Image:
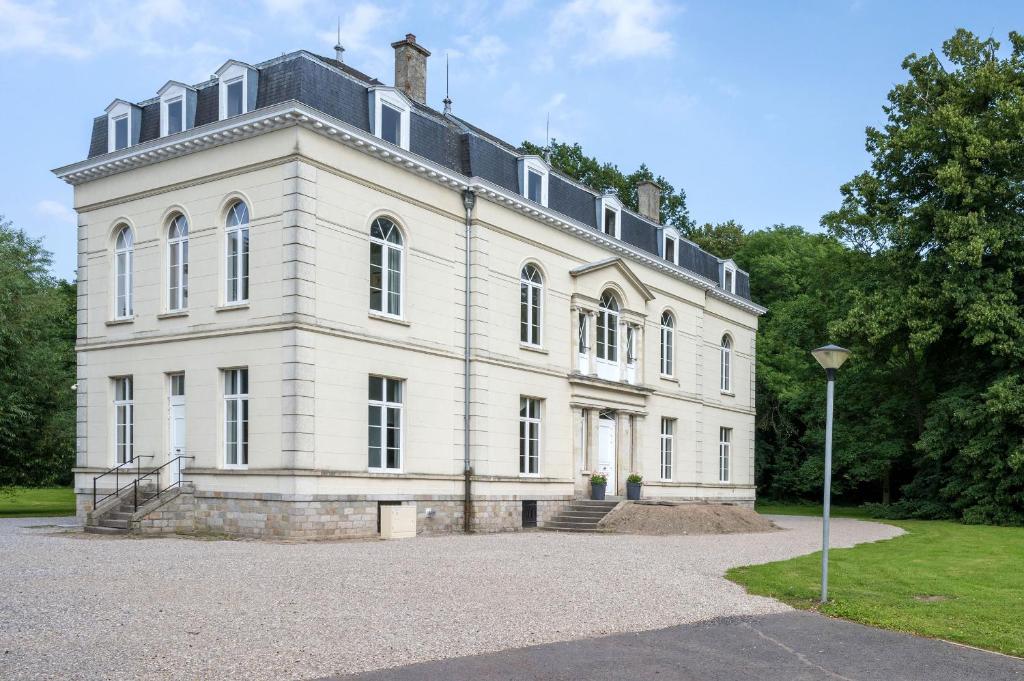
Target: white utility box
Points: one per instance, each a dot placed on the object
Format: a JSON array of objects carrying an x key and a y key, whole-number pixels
[{"x": 398, "y": 522}]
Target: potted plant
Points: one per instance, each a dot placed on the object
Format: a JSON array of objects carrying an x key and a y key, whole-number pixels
[
  {"x": 633, "y": 483},
  {"x": 598, "y": 483}
]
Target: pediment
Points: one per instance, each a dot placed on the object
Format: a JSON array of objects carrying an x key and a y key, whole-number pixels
[{"x": 593, "y": 277}]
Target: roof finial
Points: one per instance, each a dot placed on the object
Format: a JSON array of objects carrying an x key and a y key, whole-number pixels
[
  {"x": 447, "y": 100},
  {"x": 338, "y": 49},
  {"x": 547, "y": 139}
]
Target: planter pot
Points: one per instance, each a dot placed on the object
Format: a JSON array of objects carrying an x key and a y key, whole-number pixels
[
  {"x": 633, "y": 491},
  {"x": 597, "y": 491}
]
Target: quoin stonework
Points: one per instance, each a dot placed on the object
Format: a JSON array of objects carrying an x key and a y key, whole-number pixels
[{"x": 305, "y": 295}]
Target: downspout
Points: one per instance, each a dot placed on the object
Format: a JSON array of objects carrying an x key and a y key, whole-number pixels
[{"x": 468, "y": 201}]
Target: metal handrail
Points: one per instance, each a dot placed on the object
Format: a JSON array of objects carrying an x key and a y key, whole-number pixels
[
  {"x": 159, "y": 490},
  {"x": 116, "y": 470}
]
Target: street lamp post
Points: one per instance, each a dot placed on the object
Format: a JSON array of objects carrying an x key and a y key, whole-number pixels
[{"x": 830, "y": 357}]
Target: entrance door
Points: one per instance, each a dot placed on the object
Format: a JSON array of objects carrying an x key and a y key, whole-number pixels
[
  {"x": 176, "y": 425},
  {"x": 606, "y": 448}
]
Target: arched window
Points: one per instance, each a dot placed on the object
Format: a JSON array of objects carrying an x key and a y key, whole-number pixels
[
  {"x": 668, "y": 324},
  {"x": 124, "y": 249},
  {"x": 531, "y": 295},
  {"x": 237, "y": 272},
  {"x": 386, "y": 267},
  {"x": 177, "y": 264},
  {"x": 726, "y": 364},
  {"x": 608, "y": 328}
]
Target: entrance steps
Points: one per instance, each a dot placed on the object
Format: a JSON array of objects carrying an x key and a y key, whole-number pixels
[
  {"x": 117, "y": 518},
  {"x": 582, "y": 515}
]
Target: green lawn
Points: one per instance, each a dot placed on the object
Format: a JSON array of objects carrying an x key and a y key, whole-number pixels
[
  {"x": 961, "y": 583},
  {"x": 784, "y": 508},
  {"x": 24, "y": 502}
]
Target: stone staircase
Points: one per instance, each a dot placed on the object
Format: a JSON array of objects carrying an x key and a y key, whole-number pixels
[
  {"x": 117, "y": 517},
  {"x": 582, "y": 516}
]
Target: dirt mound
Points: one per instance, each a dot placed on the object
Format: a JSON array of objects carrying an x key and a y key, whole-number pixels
[{"x": 642, "y": 517}]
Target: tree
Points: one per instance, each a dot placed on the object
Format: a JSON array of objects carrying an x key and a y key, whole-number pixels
[
  {"x": 724, "y": 239},
  {"x": 941, "y": 215},
  {"x": 570, "y": 159},
  {"x": 37, "y": 365}
]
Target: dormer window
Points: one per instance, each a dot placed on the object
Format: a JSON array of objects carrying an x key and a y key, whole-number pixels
[
  {"x": 123, "y": 125},
  {"x": 670, "y": 246},
  {"x": 609, "y": 215},
  {"x": 237, "y": 91},
  {"x": 390, "y": 111},
  {"x": 177, "y": 107},
  {"x": 729, "y": 276},
  {"x": 533, "y": 179}
]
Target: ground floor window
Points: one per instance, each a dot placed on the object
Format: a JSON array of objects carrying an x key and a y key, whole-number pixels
[
  {"x": 236, "y": 417},
  {"x": 529, "y": 436},
  {"x": 385, "y": 423},
  {"x": 124, "y": 420},
  {"x": 724, "y": 453},
  {"x": 668, "y": 427}
]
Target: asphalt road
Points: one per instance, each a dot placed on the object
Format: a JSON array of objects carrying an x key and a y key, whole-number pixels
[{"x": 792, "y": 646}]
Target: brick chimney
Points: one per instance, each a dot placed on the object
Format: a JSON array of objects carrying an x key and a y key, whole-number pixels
[
  {"x": 648, "y": 197},
  {"x": 411, "y": 68}
]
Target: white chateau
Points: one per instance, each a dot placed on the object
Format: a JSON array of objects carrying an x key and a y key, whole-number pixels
[{"x": 304, "y": 294}]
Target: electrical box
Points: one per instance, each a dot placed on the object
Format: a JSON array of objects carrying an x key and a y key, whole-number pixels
[{"x": 398, "y": 522}]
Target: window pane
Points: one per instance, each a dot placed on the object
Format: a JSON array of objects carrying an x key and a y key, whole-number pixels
[
  {"x": 174, "y": 123},
  {"x": 670, "y": 250},
  {"x": 390, "y": 124},
  {"x": 245, "y": 432},
  {"x": 376, "y": 388},
  {"x": 609, "y": 222},
  {"x": 394, "y": 281},
  {"x": 245, "y": 265},
  {"x": 231, "y": 431},
  {"x": 121, "y": 133},
  {"x": 533, "y": 184},
  {"x": 374, "y": 420},
  {"x": 394, "y": 391},
  {"x": 235, "y": 98}
]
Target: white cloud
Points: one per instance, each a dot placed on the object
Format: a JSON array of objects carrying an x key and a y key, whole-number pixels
[
  {"x": 56, "y": 212},
  {"x": 284, "y": 6},
  {"x": 361, "y": 34},
  {"x": 607, "y": 30},
  {"x": 38, "y": 28}
]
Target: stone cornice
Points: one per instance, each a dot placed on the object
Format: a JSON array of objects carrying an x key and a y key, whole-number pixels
[{"x": 293, "y": 113}]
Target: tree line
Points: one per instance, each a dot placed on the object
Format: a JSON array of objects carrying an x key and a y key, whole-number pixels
[{"x": 920, "y": 272}]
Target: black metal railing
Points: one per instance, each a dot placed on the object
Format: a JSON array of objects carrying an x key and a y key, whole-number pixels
[
  {"x": 138, "y": 479},
  {"x": 176, "y": 461},
  {"x": 117, "y": 470}
]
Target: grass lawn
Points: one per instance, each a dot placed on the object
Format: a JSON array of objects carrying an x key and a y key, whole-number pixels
[
  {"x": 961, "y": 583},
  {"x": 25, "y": 502},
  {"x": 784, "y": 508}
]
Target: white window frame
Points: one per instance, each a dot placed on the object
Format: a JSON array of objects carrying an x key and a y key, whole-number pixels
[
  {"x": 609, "y": 202},
  {"x": 380, "y": 96},
  {"x": 165, "y": 115},
  {"x": 725, "y": 350},
  {"x": 667, "y": 442},
  {"x": 121, "y": 110},
  {"x": 531, "y": 310},
  {"x": 670, "y": 235},
  {"x": 241, "y": 259},
  {"x": 668, "y": 345},
  {"x": 536, "y": 164},
  {"x": 124, "y": 271},
  {"x": 724, "y": 454},
  {"x": 610, "y": 330},
  {"x": 125, "y": 405},
  {"x": 530, "y": 433},
  {"x": 172, "y": 92},
  {"x": 231, "y": 72},
  {"x": 385, "y": 285},
  {"x": 240, "y": 400},
  {"x": 729, "y": 276},
  {"x": 583, "y": 341},
  {"x": 177, "y": 298},
  {"x": 383, "y": 405}
]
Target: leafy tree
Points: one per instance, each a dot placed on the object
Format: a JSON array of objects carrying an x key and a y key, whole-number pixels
[
  {"x": 724, "y": 239},
  {"x": 941, "y": 214},
  {"x": 570, "y": 159},
  {"x": 37, "y": 365}
]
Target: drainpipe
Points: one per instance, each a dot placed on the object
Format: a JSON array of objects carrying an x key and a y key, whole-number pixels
[{"x": 468, "y": 202}]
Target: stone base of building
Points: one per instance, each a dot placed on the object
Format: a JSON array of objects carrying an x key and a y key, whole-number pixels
[{"x": 280, "y": 516}]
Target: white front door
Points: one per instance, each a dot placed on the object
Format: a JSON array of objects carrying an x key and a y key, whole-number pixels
[
  {"x": 606, "y": 449},
  {"x": 177, "y": 431}
]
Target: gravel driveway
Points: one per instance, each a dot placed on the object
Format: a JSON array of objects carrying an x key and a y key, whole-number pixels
[{"x": 86, "y": 606}]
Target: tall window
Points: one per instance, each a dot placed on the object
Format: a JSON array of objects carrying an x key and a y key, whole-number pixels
[
  {"x": 608, "y": 328},
  {"x": 390, "y": 124},
  {"x": 385, "y": 424},
  {"x": 124, "y": 249},
  {"x": 529, "y": 436},
  {"x": 237, "y": 284},
  {"x": 667, "y": 342},
  {"x": 386, "y": 267},
  {"x": 724, "y": 453},
  {"x": 236, "y": 417},
  {"x": 534, "y": 182},
  {"x": 235, "y": 91},
  {"x": 177, "y": 264},
  {"x": 531, "y": 292},
  {"x": 121, "y": 132},
  {"x": 726, "y": 364},
  {"x": 124, "y": 420},
  {"x": 175, "y": 116},
  {"x": 670, "y": 248},
  {"x": 668, "y": 427}
]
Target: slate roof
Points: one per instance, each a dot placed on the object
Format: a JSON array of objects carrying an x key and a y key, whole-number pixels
[{"x": 341, "y": 91}]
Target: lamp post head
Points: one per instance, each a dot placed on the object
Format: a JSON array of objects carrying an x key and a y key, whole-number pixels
[{"x": 830, "y": 357}]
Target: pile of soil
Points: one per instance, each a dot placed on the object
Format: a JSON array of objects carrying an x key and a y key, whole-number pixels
[{"x": 652, "y": 517}]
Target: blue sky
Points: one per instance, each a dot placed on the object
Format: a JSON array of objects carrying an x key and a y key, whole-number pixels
[{"x": 756, "y": 109}]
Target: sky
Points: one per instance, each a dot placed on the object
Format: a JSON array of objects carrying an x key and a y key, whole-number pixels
[{"x": 756, "y": 109}]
